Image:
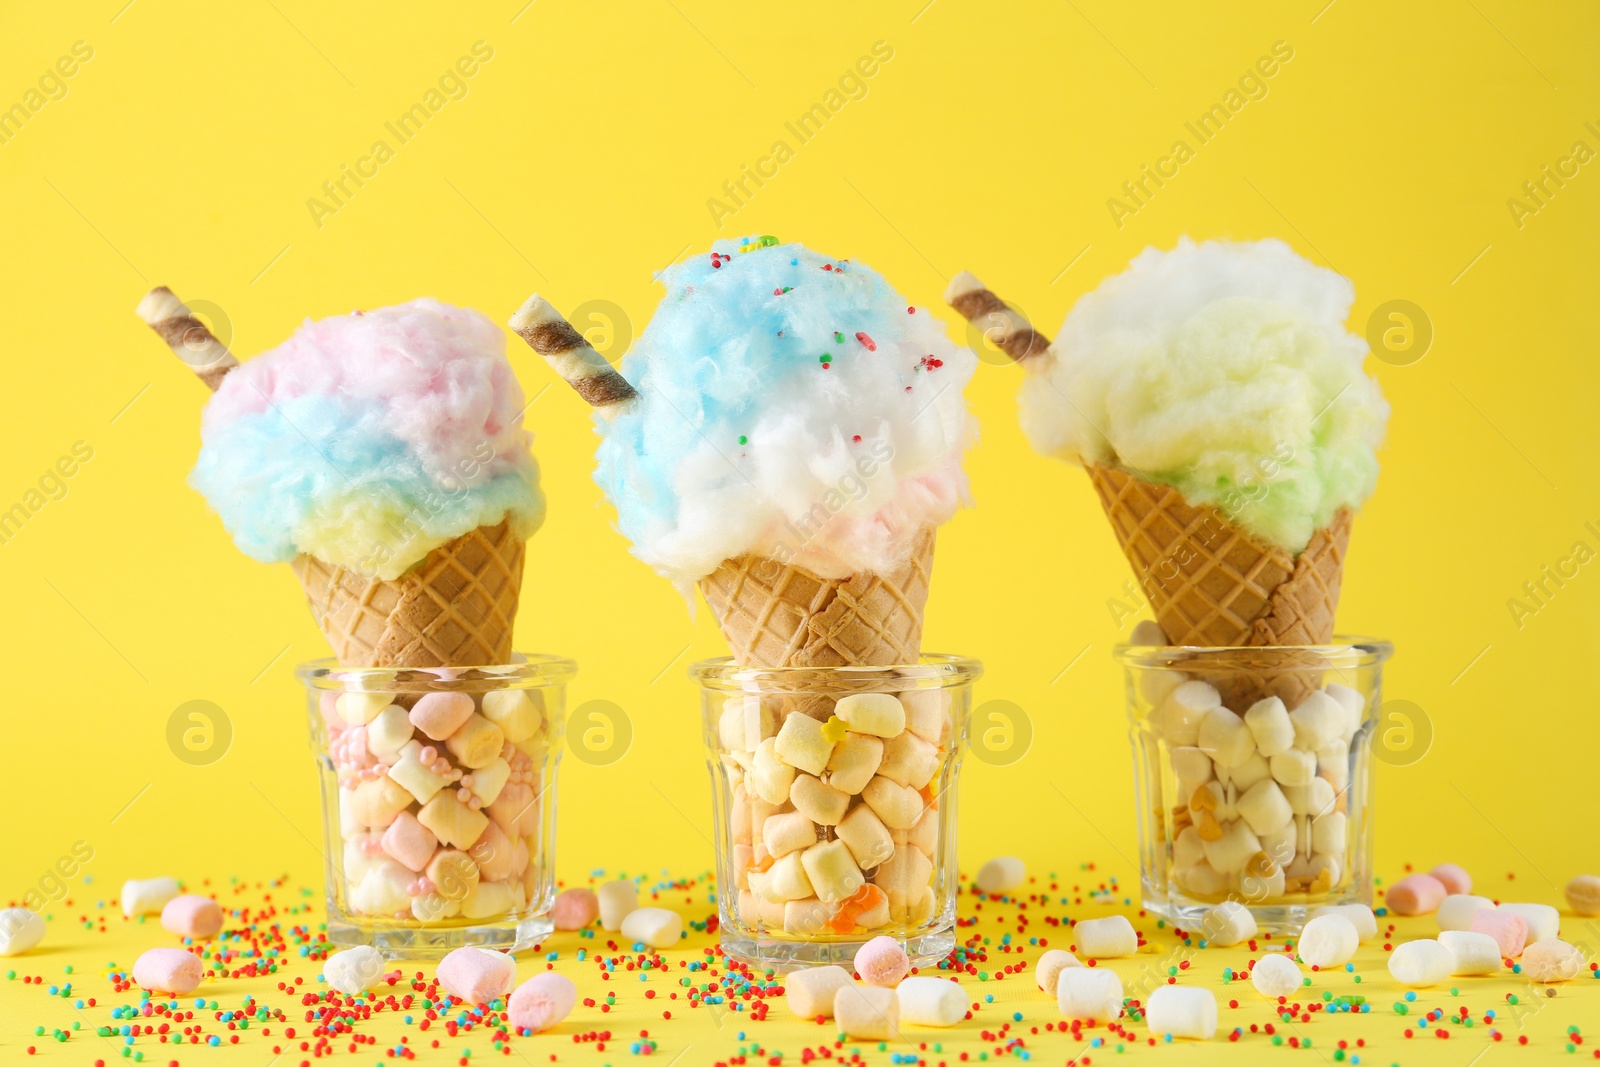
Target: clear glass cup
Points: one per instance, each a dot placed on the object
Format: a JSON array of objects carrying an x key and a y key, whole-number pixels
[
  {"x": 835, "y": 806},
  {"x": 439, "y": 801},
  {"x": 1253, "y": 774}
]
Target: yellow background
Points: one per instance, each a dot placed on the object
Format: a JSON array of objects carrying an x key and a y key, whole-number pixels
[{"x": 580, "y": 160}]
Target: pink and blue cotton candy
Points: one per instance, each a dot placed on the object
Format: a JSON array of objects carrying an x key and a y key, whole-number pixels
[{"x": 370, "y": 439}]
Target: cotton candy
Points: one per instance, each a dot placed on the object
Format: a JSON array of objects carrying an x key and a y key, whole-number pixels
[
  {"x": 790, "y": 406},
  {"x": 367, "y": 440},
  {"x": 1225, "y": 371}
]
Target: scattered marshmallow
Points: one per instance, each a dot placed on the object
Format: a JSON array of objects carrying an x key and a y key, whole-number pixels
[
  {"x": 867, "y": 1013},
  {"x": 147, "y": 897},
  {"x": 1417, "y": 894},
  {"x": 1092, "y": 994},
  {"x": 1328, "y": 941},
  {"x": 616, "y": 900},
  {"x": 1509, "y": 930},
  {"x": 1275, "y": 976},
  {"x": 931, "y": 1001},
  {"x": 1551, "y": 959},
  {"x": 1583, "y": 895},
  {"x": 168, "y": 970},
  {"x": 1474, "y": 953},
  {"x": 882, "y": 962},
  {"x": 810, "y": 992},
  {"x": 477, "y": 975},
  {"x": 1182, "y": 1011},
  {"x": 541, "y": 1002},
  {"x": 1047, "y": 971},
  {"x": 1001, "y": 875},
  {"x": 1106, "y": 938},
  {"x": 1543, "y": 920},
  {"x": 1453, "y": 877},
  {"x": 1360, "y": 916},
  {"x": 656, "y": 927},
  {"x": 574, "y": 909},
  {"x": 20, "y": 930},
  {"x": 1229, "y": 923},
  {"x": 353, "y": 969},
  {"x": 1456, "y": 910},
  {"x": 192, "y": 916},
  {"x": 1422, "y": 962}
]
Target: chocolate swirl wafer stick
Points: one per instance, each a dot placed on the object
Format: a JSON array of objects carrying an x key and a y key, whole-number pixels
[
  {"x": 187, "y": 336},
  {"x": 1008, "y": 330},
  {"x": 564, "y": 348}
]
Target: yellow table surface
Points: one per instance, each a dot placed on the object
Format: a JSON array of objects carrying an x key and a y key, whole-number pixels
[{"x": 669, "y": 1011}]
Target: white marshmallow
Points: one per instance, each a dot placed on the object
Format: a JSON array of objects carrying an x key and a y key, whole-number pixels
[
  {"x": 904, "y": 877},
  {"x": 1543, "y": 920},
  {"x": 730, "y": 724},
  {"x": 879, "y": 714},
  {"x": 1331, "y": 862},
  {"x": 1253, "y": 770},
  {"x": 1456, "y": 910},
  {"x": 927, "y": 1001},
  {"x": 909, "y": 760},
  {"x": 1001, "y": 875},
  {"x": 832, "y": 871},
  {"x": 1187, "y": 848},
  {"x": 434, "y": 907},
  {"x": 760, "y": 722},
  {"x": 1225, "y": 738},
  {"x": 786, "y": 880},
  {"x": 517, "y": 715},
  {"x": 800, "y": 743},
  {"x": 867, "y": 1013},
  {"x": 1262, "y": 878},
  {"x": 488, "y": 782},
  {"x": 1314, "y": 798},
  {"x": 770, "y": 777},
  {"x": 20, "y": 930},
  {"x": 1191, "y": 766},
  {"x": 1328, "y": 941},
  {"x": 476, "y": 742},
  {"x": 810, "y": 992},
  {"x": 1264, "y": 808},
  {"x": 1318, "y": 720},
  {"x": 616, "y": 900},
  {"x": 1423, "y": 962},
  {"x": 1294, "y": 767},
  {"x": 353, "y": 969},
  {"x": 1280, "y": 844},
  {"x": 486, "y": 899},
  {"x": 928, "y": 714},
  {"x": 1178, "y": 719},
  {"x": 1147, "y": 632},
  {"x": 1156, "y": 685},
  {"x": 822, "y": 804},
  {"x": 1230, "y": 852},
  {"x": 1360, "y": 916},
  {"x": 1093, "y": 994},
  {"x": 1202, "y": 879},
  {"x": 414, "y": 776},
  {"x": 1328, "y": 833},
  {"x": 807, "y": 917},
  {"x": 147, "y": 896},
  {"x": 385, "y": 890},
  {"x": 1474, "y": 953},
  {"x": 853, "y": 763},
  {"x": 1354, "y": 705},
  {"x": 656, "y": 927},
  {"x": 900, "y": 807},
  {"x": 1275, "y": 976},
  {"x": 358, "y": 709},
  {"x": 1106, "y": 938},
  {"x": 1182, "y": 1011},
  {"x": 864, "y": 834},
  {"x": 1271, "y": 726},
  {"x": 788, "y": 832},
  {"x": 1551, "y": 959},
  {"x": 1229, "y": 923},
  {"x": 388, "y": 730},
  {"x": 1048, "y": 970}
]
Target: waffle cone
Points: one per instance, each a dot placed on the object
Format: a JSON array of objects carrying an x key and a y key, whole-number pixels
[
  {"x": 779, "y": 615},
  {"x": 1211, "y": 584},
  {"x": 454, "y": 609}
]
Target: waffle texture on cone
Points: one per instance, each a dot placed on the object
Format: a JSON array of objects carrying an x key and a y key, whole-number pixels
[
  {"x": 454, "y": 609},
  {"x": 1213, "y": 585},
  {"x": 779, "y": 615}
]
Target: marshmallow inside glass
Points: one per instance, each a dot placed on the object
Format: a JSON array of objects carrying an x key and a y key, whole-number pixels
[
  {"x": 787, "y": 436},
  {"x": 382, "y": 455}
]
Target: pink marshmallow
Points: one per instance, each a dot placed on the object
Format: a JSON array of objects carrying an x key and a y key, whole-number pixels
[
  {"x": 493, "y": 854},
  {"x": 1509, "y": 930},
  {"x": 328, "y": 703},
  {"x": 882, "y": 962},
  {"x": 477, "y": 975},
  {"x": 1454, "y": 878},
  {"x": 410, "y": 842},
  {"x": 1419, "y": 894},
  {"x": 440, "y": 714},
  {"x": 542, "y": 1001},
  {"x": 574, "y": 909},
  {"x": 192, "y": 916},
  {"x": 167, "y": 970}
]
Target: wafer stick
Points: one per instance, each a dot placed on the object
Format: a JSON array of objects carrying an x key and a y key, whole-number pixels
[
  {"x": 187, "y": 336},
  {"x": 1008, "y": 330},
  {"x": 564, "y": 348}
]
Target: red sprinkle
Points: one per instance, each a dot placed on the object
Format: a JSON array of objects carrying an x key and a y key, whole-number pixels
[{"x": 871, "y": 345}]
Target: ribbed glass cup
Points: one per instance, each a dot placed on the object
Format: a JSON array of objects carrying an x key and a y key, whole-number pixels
[{"x": 439, "y": 801}]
